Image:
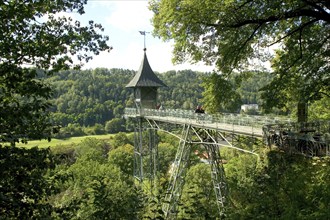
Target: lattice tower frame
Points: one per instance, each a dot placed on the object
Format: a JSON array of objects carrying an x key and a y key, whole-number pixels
[{"x": 211, "y": 139}]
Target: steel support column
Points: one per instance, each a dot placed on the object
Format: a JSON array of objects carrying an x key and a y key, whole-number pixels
[
  {"x": 153, "y": 160},
  {"x": 179, "y": 169},
  {"x": 138, "y": 150}
]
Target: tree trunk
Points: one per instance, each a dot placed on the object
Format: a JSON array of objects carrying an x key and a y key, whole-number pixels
[{"x": 302, "y": 113}]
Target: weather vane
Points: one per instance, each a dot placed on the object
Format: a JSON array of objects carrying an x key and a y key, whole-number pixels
[{"x": 144, "y": 37}]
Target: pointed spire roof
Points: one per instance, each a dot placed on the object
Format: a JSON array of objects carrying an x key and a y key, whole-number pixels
[{"x": 145, "y": 77}]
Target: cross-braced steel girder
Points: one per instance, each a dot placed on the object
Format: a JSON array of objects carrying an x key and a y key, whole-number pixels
[
  {"x": 211, "y": 139},
  {"x": 178, "y": 173}
]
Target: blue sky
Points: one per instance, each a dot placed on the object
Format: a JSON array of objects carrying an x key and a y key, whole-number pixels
[{"x": 122, "y": 21}]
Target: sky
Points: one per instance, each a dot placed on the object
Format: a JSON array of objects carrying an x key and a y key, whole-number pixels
[{"x": 122, "y": 21}]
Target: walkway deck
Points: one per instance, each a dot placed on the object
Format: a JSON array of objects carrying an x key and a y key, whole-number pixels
[
  {"x": 202, "y": 123},
  {"x": 238, "y": 124}
]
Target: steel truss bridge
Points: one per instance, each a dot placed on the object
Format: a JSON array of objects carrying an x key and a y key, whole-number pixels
[{"x": 213, "y": 132}]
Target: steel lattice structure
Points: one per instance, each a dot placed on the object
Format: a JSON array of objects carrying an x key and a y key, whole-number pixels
[
  {"x": 213, "y": 133},
  {"x": 189, "y": 133}
]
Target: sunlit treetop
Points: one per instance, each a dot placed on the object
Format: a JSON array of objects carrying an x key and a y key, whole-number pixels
[
  {"x": 231, "y": 33},
  {"x": 35, "y": 33}
]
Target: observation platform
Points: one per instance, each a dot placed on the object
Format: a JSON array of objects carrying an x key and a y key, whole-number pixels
[
  {"x": 234, "y": 123},
  {"x": 309, "y": 138}
]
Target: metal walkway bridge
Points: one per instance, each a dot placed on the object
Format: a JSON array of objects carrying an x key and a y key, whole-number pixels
[
  {"x": 213, "y": 132},
  {"x": 236, "y": 123}
]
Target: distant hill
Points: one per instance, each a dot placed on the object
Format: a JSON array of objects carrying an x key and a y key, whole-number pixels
[{"x": 98, "y": 95}]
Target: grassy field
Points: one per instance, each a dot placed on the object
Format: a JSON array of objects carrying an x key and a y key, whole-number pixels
[{"x": 61, "y": 142}]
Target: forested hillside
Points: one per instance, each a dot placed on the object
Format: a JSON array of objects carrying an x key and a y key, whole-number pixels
[
  {"x": 94, "y": 179},
  {"x": 88, "y": 97},
  {"x": 87, "y": 102},
  {"x": 184, "y": 89},
  {"x": 95, "y": 96}
]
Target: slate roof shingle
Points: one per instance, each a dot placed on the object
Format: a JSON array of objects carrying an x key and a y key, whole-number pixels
[{"x": 145, "y": 77}]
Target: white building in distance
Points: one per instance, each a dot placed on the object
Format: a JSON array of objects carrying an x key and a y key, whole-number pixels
[{"x": 247, "y": 107}]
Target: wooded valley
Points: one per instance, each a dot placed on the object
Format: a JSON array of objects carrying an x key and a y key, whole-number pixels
[
  {"x": 44, "y": 94},
  {"x": 94, "y": 179}
]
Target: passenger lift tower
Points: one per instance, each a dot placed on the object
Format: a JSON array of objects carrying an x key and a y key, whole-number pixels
[{"x": 145, "y": 85}]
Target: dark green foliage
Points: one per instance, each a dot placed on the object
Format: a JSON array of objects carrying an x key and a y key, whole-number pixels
[
  {"x": 99, "y": 188},
  {"x": 198, "y": 199},
  {"x": 77, "y": 101},
  {"x": 153, "y": 208},
  {"x": 98, "y": 129},
  {"x": 90, "y": 96},
  {"x": 229, "y": 100},
  {"x": 183, "y": 91},
  {"x": 31, "y": 35},
  {"x": 115, "y": 125},
  {"x": 76, "y": 130},
  {"x": 237, "y": 36},
  {"x": 102, "y": 192},
  {"x": 166, "y": 155},
  {"x": 280, "y": 186},
  {"x": 273, "y": 185},
  {"x": 24, "y": 191},
  {"x": 99, "y": 96},
  {"x": 167, "y": 139},
  {"x": 250, "y": 85},
  {"x": 72, "y": 130},
  {"x": 319, "y": 109},
  {"x": 92, "y": 148},
  {"x": 23, "y": 105}
]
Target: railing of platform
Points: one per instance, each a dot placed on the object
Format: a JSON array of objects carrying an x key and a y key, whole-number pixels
[
  {"x": 234, "y": 119},
  {"x": 311, "y": 138},
  {"x": 308, "y": 138}
]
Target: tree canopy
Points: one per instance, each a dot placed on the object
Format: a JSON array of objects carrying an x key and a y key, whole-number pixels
[
  {"x": 232, "y": 33},
  {"x": 34, "y": 34}
]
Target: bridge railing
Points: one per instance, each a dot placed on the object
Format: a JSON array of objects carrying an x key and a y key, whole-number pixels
[
  {"x": 309, "y": 138},
  {"x": 234, "y": 119}
]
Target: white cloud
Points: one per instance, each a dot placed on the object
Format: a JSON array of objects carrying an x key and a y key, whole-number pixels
[
  {"x": 122, "y": 21},
  {"x": 130, "y": 15}
]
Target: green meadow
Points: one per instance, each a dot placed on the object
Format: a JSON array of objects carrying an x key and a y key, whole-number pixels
[{"x": 61, "y": 142}]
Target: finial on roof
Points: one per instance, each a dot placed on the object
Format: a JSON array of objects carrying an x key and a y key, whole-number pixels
[{"x": 144, "y": 38}]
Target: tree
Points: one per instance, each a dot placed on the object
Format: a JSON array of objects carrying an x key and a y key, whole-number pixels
[
  {"x": 24, "y": 188},
  {"x": 166, "y": 155},
  {"x": 115, "y": 125},
  {"x": 100, "y": 190},
  {"x": 32, "y": 35},
  {"x": 120, "y": 139},
  {"x": 228, "y": 100},
  {"x": 123, "y": 157},
  {"x": 198, "y": 199},
  {"x": 231, "y": 34},
  {"x": 320, "y": 109},
  {"x": 92, "y": 148}
]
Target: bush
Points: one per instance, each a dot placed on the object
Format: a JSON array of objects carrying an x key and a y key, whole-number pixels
[
  {"x": 120, "y": 139},
  {"x": 115, "y": 125}
]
